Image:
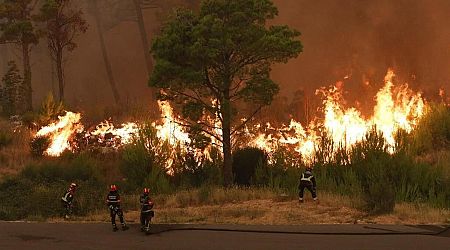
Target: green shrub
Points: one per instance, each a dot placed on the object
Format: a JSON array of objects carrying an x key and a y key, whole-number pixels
[
  {"x": 50, "y": 110},
  {"x": 139, "y": 159},
  {"x": 245, "y": 163},
  {"x": 189, "y": 171},
  {"x": 377, "y": 186},
  {"x": 36, "y": 192},
  {"x": 158, "y": 181},
  {"x": 5, "y": 138},
  {"x": 39, "y": 145},
  {"x": 433, "y": 130},
  {"x": 80, "y": 168}
]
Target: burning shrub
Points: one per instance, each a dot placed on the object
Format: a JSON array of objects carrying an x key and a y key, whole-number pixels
[{"x": 39, "y": 145}]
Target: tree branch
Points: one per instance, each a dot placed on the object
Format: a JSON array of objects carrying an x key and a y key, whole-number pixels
[
  {"x": 247, "y": 120},
  {"x": 190, "y": 124},
  {"x": 207, "y": 107}
]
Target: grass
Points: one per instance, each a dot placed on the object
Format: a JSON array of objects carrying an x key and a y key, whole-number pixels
[
  {"x": 261, "y": 206},
  {"x": 15, "y": 154},
  {"x": 37, "y": 190},
  {"x": 364, "y": 180}
]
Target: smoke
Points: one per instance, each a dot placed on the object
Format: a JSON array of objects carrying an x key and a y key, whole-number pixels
[
  {"x": 353, "y": 39},
  {"x": 362, "y": 39}
]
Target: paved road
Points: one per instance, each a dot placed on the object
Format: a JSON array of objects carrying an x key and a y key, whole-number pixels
[{"x": 21, "y": 235}]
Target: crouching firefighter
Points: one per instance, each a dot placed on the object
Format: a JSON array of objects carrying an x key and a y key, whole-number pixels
[
  {"x": 67, "y": 200},
  {"x": 308, "y": 181},
  {"x": 113, "y": 201},
  {"x": 146, "y": 210}
]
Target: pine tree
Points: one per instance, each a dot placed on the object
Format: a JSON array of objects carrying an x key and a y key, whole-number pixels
[{"x": 12, "y": 91}]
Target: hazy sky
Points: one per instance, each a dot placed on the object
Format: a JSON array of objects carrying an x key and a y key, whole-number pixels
[{"x": 359, "y": 38}]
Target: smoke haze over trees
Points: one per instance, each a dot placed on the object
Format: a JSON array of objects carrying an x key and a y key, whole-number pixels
[{"x": 355, "y": 38}]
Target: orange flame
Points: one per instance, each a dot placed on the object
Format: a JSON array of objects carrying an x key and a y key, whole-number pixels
[
  {"x": 396, "y": 108},
  {"x": 60, "y": 133}
]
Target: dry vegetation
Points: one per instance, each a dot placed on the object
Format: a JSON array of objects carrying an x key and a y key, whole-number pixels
[
  {"x": 15, "y": 155},
  {"x": 262, "y": 206}
]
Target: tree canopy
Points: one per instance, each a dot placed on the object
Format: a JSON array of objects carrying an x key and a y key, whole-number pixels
[
  {"x": 17, "y": 27},
  {"x": 213, "y": 62},
  {"x": 64, "y": 22}
]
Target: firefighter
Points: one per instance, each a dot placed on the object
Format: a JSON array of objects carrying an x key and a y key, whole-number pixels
[
  {"x": 67, "y": 200},
  {"x": 146, "y": 209},
  {"x": 113, "y": 201},
  {"x": 308, "y": 181}
]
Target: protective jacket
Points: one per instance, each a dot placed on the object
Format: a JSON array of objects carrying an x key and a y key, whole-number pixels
[
  {"x": 308, "y": 179},
  {"x": 113, "y": 199},
  {"x": 146, "y": 203},
  {"x": 68, "y": 197}
]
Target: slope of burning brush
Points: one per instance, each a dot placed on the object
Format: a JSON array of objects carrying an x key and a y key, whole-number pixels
[
  {"x": 397, "y": 107},
  {"x": 69, "y": 134}
]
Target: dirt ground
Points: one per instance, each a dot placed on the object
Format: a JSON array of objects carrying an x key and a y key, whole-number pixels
[{"x": 291, "y": 212}]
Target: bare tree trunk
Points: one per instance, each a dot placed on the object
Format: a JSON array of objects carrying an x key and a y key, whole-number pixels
[
  {"x": 226, "y": 136},
  {"x": 145, "y": 42},
  {"x": 52, "y": 65},
  {"x": 5, "y": 56},
  {"x": 109, "y": 71},
  {"x": 28, "y": 92},
  {"x": 60, "y": 73}
]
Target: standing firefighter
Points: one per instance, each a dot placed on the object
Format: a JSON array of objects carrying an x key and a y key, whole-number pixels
[
  {"x": 113, "y": 201},
  {"x": 307, "y": 181},
  {"x": 67, "y": 200},
  {"x": 146, "y": 210}
]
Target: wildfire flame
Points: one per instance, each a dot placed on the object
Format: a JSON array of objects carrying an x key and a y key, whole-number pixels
[
  {"x": 124, "y": 134},
  {"x": 396, "y": 108},
  {"x": 59, "y": 133},
  {"x": 170, "y": 128}
]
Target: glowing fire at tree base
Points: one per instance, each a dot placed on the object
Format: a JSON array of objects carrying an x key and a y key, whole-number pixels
[{"x": 397, "y": 108}]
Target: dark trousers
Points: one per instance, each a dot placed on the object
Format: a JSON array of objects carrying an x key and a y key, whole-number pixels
[
  {"x": 115, "y": 210},
  {"x": 310, "y": 187},
  {"x": 67, "y": 207},
  {"x": 146, "y": 217}
]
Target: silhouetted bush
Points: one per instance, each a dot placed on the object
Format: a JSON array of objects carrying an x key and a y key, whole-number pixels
[
  {"x": 191, "y": 171},
  {"x": 245, "y": 163}
]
